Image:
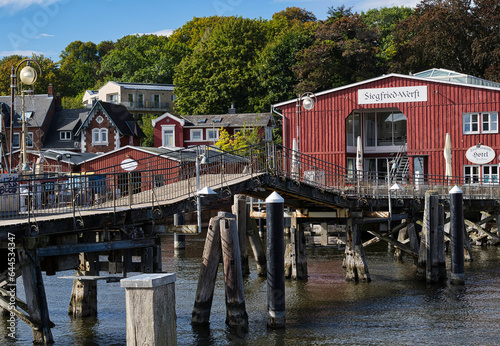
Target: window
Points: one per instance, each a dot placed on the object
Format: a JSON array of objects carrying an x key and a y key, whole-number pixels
[
  {"x": 113, "y": 98},
  {"x": 488, "y": 121},
  {"x": 196, "y": 135},
  {"x": 156, "y": 101},
  {"x": 212, "y": 134},
  {"x": 130, "y": 100},
  {"x": 140, "y": 100},
  {"x": 490, "y": 174},
  {"x": 16, "y": 140},
  {"x": 100, "y": 136},
  {"x": 168, "y": 136},
  {"x": 471, "y": 174},
  {"x": 353, "y": 129},
  {"x": 65, "y": 135},
  {"x": 29, "y": 140}
]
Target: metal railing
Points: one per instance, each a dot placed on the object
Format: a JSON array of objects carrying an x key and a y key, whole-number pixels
[{"x": 158, "y": 180}]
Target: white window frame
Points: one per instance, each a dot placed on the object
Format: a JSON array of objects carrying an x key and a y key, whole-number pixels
[
  {"x": 29, "y": 138},
  {"x": 192, "y": 134},
  {"x": 472, "y": 174},
  {"x": 165, "y": 128},
  {"x": 491, "y": 123},
  {"x": 18, "y": 136},
  {"x": 490, "y": 119},
  {"x": 65, "y": 135},
  {"x": 211, "y": 138},
  {"x": 100, "y": 136},
  {"x": 490, "y": 178}
]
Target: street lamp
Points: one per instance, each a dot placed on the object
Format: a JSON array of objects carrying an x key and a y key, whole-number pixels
[
  {"x": 307, "y": 99},
  {"x": 28, "y": 76},
  {"x": 205, "y": 191}
]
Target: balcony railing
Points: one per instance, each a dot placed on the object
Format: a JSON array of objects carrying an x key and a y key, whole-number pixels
[{"x": 147, "y": 105}]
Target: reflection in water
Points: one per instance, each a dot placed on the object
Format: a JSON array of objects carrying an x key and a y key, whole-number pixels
[{"x": 392, "y": 309}]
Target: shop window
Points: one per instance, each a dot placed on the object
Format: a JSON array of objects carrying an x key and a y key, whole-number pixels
[{"x": 474, "y": 123}]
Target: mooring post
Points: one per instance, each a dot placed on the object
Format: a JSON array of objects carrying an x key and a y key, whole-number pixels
[
  {"x": 236, "y": 314},
  {"x": 150, "y": 309},
  {"x": 240, "y": 210},
  {"x": 261, "y": 227},
  {"x": 208, "y": 273},
  {"x": 430, "y": 261},
  {"x": 275, "y": 261},
  {"x": 298, "y": 243},
  {"x": 83, "y": 301},
  {"x": 256, "y": 245},
  {"x": 414, "y": 239},
  {"x": 457, "y": 236},
  {"x": 36, "y": 299},
  {"x": 355, "y": 261},
  {"x": 179, "y": 239}
]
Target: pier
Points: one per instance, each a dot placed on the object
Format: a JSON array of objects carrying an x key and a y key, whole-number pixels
[{"x": 68, "y": 227}]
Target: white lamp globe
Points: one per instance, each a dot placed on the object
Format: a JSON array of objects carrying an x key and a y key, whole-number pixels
[
  {"x": 308, "y": 103},
  {"x": 28, "y": 75}
]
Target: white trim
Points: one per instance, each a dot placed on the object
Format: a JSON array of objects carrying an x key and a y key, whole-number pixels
[
  {"x": 167, "y": 115},
  {"x": 207, "y": 137},
  {"x": 168, "y": 128},
  {"x": 191, "y": 139}
]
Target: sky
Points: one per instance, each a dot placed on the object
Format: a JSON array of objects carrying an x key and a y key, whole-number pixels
[{"x": 48, "y": 26}]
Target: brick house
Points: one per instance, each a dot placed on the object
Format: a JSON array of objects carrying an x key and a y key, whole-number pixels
[{"x": 108, "y": 127}]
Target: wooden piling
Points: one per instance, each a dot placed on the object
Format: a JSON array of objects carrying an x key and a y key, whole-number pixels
[
  {"x": 298, "y": 246},
  {"x": 355, "y": 261},
  {"x": 457, "y": 236},
  {"x": 150, "y": 309},
  {"x": 414, "y": 239},
  {"x": 236, "y": 315},
  {"x": 256, "y": 245},
  {"x": 431, "y": 254},
  {"x": 83, "y": 301},
  {"x": 36, "y": 299},
  {"x": 208, "y": 273},
  {"x": 179, "y": 239},
  {"x": 275, "y": 261},
  {"x": 240, "y": 210}
]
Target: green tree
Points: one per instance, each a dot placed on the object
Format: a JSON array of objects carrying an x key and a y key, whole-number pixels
[
  {"x": 440, "y": 34},
  {"x": 79, "y": 64},
  {"x": 239, "y": 140},
  {"x": 148, "y": 129},
  {"x": 193, "y": 31},
  {"x": 143, "y": 59},
  {"x": 295, "y": 14},
  {"x": 344, "y": 52},
  {"x": 219, "y": 72},
  {"x": 384, "y": 20}
]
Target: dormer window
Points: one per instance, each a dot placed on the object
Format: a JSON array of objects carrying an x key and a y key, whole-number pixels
[
  {"x": 65, "y": 135},
  {"x": 100, "y": 137}
]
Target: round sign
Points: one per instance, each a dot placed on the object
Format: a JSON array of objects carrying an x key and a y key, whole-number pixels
[
  {"x": 480, "y": 154},
  {"x": 129, "y": 165}
]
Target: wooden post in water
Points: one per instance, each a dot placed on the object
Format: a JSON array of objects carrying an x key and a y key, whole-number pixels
[
  {"x": 179, "y": 239},
  {"x": 240, "y": 210},
  {"x": 236, "y": 314},
  {"x": 256, "y": 245},
  {"x": 83, "y": 301},
  {"x": 298, "y": 244},
  {"x": 457, "y": 236},
  {"x": 402, "y": 234},
  {"x": 414, "y": 239},
  {"x": 150, "y": 308},
  {"x": 35, "y": 297},
  {"x": 208, "y": 274},
  {"x": 275, "y": 261},
  {"x": 431, "y": 261},
  {"x": 355, "y": 261}
]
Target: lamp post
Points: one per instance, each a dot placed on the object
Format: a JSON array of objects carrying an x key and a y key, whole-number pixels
[
  {"x": 28, "y": 76},
  {"x": 308, "y": 103},
  {"x": 206, "y": 190}
]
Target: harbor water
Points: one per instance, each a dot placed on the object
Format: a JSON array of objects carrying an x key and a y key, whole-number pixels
[{"x": 393, "y": 309}]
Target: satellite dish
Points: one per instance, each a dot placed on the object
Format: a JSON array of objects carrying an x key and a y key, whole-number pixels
[{"x": 308, "y": 103}]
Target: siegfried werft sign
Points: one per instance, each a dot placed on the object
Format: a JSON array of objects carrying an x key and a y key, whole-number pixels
[{"x": 392, "y": 95}]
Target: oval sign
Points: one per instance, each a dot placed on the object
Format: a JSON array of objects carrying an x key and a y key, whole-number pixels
[
  {"x": 129, "y": 165},
  {"x": 480, "y": 154}
]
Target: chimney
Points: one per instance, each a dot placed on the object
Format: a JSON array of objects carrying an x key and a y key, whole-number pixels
[
  {"x": 50, "y": 90},
  {"x": 232, "y": 110}
]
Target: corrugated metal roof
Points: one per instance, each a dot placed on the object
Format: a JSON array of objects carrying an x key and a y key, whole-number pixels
[{"x": 146, "y": 86}]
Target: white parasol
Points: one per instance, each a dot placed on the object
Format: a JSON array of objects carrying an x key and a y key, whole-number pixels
[{"x": 447, "y": 156}]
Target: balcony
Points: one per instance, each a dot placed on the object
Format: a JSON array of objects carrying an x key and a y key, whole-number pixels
[{"x": 146, "y": 106}]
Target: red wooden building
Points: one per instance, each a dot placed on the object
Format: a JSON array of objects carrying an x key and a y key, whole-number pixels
[{"x": 405, "y": 114}]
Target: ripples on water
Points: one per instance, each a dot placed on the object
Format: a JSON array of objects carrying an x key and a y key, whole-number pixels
[{"x": 393, "y": 309}]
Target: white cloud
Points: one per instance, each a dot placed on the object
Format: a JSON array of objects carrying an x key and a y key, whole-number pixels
[
  {"x": 16, "y": 5},
  {"x": 372, "y": 4},
  {"x": 164, "y": 32},
  {"x": 19, "y": 52},
  {"x": 44, "y": 36}
]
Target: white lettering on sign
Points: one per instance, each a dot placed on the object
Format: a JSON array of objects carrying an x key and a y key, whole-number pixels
[
  {"x": 392, "y": 95},
  {"x": 480, "y": 154}
]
